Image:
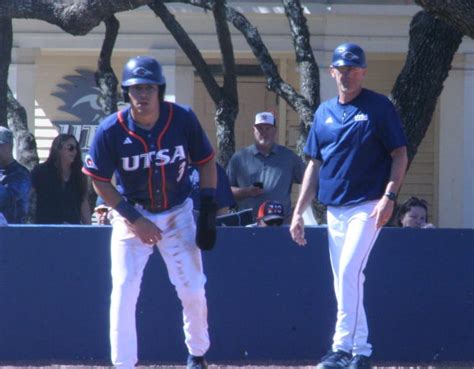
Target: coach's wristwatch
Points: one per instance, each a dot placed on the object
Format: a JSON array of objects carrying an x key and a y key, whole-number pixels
[{"x": 391, "y": 196}]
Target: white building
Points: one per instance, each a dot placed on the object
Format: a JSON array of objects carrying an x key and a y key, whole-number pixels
[{"x": 51, "y": 76}]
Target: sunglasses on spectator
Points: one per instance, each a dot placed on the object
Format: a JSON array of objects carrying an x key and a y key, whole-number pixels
[
  {"x": 273, "y": 222},
  {"x": 71, "y": 148}
]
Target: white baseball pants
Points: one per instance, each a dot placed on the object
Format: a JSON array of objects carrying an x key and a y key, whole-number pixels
[
  {"x": 352, "y": 234},
  {"x": 183, "y": 262}
]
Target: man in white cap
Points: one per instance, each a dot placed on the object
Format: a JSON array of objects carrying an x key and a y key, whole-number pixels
[
  {"x": 264, "y": 170},
  {"x": 15, "y": 183}
]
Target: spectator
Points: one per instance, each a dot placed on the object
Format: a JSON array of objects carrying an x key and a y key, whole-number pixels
[
  {"x": 60, "y": 186},
  {"x": 413, "y": 213},
  {"x": 15, "y": 182},
  {"x": 270, "y": 213},
  {"x": 264, "y": 170},
  {"x": 101, "y": 212},
  {"x": 224, "y": 197}
]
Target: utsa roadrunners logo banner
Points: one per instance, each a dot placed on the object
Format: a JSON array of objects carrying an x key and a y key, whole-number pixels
[{"x": 80, "y": 98}]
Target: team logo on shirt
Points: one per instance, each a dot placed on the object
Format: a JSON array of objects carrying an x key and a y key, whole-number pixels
[
  {"x": 90, "y": 162},
  {"x": 157, "y": 158},
  {"x": 329, "y": 120},
  {"x": 361, "y": 117}
]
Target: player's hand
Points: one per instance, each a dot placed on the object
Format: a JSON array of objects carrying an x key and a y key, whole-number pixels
[
  {"x": 146, "y": 231},
  {"x": 383, "y": 211},
  {"x": 297, "y": 230},
  {"x": 254, "y": 191}
]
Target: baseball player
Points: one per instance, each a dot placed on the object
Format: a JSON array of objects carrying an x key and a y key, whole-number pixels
[
  {"x": 147, "y": 146},
  {"x": 357, "y": 161}
]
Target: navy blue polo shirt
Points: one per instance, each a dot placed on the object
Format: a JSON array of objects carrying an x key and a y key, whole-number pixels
[{"x": 353, "y": 142}]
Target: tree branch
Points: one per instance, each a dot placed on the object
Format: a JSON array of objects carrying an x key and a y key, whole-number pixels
[
  {"x": 228, "y": 108},
  {"x": 78, "y": 18},
  {"x": 458, "y": 13},
  {"x": 227, "y": 51},
  {"x": 189, "y": 48},
  {"x": 269, "y": 68},
  {"x": 431, "y": 49},
  {"x": 6, "y": 42},
  {"x": 309, "y": 70},
  {"x": 105, "y": 76}
]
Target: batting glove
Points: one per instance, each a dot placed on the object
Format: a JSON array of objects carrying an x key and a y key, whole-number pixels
[{"x": 206, "y": 223}]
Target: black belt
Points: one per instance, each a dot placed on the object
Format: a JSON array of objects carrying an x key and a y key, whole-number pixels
[{"x": 146, "y": 206}]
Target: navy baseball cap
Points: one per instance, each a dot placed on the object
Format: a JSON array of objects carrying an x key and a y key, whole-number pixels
[
  {"x": 348, "y": 55},
  {"x": 270, "y": 210},
  {"x": 6, "y": 136}
]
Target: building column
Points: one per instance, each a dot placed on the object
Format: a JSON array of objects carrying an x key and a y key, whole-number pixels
[
  {"x": 179, "y": 78},
  {"x": 179, "y": 84},
  {"x": 328, "y": 87},
  {"x": 456, "y": 153}
]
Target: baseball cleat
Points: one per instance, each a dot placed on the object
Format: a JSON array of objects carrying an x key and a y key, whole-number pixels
[
  {"x": 335, "y": 360},
  {"x": 360, "y": 362},
  {"x": 196, "y": 362}
]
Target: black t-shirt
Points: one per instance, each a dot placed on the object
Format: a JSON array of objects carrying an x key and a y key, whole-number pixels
[{"x": 57, "y": 202}]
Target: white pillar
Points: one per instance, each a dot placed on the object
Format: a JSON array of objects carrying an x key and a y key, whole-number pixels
[
  {"x": 468, "y": 152},
  {"x": 456, "y": 153},
  {"x": 179, "y": 77},
  {"x": 179, "y": 84},
  {"x": 328, "y": 86}
]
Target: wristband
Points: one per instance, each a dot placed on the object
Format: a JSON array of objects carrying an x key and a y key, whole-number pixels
[
  {"x": 128, "y": 211},
  {"x": 392, "y": 196},
  {"x": 208, "y": 192}
]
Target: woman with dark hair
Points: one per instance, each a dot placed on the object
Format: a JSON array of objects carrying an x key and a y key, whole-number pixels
[
  {"x": 413, "y": 213},
  {"x": 61, "y": 187}
]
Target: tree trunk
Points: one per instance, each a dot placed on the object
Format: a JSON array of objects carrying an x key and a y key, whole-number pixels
[
  {"x": 457, "y": 13},
  {"x": 307, "y": 66},
  {"x": 105, "y": 76},
  {"x": 226, "y": 112},
  {"x": 226, "y": 99},
  {"x": 227, "y": 108},
  {"x": 25, "y": 148},
  {"x": 432, "y": 46},
  {"x": 6, "y": 36}
]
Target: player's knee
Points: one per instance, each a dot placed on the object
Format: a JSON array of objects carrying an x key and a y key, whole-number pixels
[
  {"x": 352, "y": 276},
  {"x": 190, "y": 294},
  {"x": 126, "y": 285}
]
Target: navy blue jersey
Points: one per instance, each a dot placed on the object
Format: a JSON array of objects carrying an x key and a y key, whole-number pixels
[
  {"x": 353, "y": 142},
  {"x": 151, "y": 166}
]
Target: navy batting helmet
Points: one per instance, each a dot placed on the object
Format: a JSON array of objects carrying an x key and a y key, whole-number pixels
[
  {"x": 142, "y": 70},
  {"x": 350, "y": 55}
]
